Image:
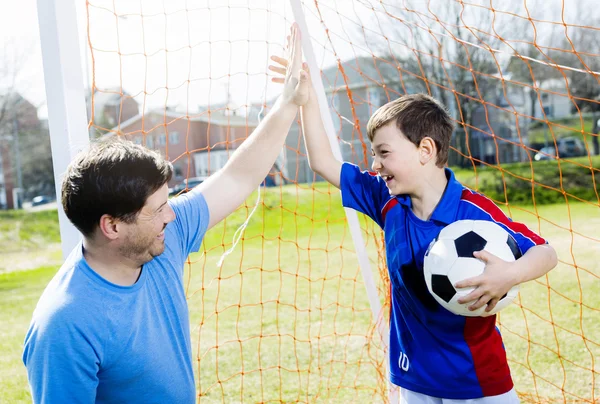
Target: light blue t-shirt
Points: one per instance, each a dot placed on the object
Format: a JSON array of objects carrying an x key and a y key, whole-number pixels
[{"x": 93, "y": 341}]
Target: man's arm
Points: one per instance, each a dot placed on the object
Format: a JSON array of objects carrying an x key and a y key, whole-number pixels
[
  {"x": 228, "y": 188},
  {"x": 62, "y": 365},
  {"x": 320, "y": 156}
]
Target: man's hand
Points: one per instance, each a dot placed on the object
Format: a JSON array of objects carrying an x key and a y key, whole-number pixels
[
  {"x": 296, "y": 83},
  {"x": 497, "y": 279}
]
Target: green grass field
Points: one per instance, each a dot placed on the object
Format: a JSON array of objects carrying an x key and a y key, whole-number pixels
[{"x": 286, "y": 318}]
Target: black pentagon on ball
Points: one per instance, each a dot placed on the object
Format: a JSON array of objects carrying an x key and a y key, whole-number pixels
[
  {"x": 514, "y": 247},
  {"x": 441, "y": 286},
  {"x": 468, "y": 243}
]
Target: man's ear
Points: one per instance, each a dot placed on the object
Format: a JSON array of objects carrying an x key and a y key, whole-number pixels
[
  {"x": 109, "y": 227},
  {"x": 427, "y": 150}
]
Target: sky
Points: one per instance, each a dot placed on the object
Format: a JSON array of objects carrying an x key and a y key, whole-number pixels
[
  {"x": 201, "y": 51},
  {"x": 20, "y": 38},
  {"x": 192, "y": 53}
]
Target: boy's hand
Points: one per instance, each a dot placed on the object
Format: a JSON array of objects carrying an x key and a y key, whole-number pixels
[
  {"x": 496, "y": 280},
  {"x": 296, "y": 80}
]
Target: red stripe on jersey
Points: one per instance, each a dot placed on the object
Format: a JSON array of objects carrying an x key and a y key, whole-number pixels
[
  {"x": 498, "y": 216},
  {"x": 489, "y": 356},
  {"x": 386, "y": 208},
  {"x": 372, "y": 173}
]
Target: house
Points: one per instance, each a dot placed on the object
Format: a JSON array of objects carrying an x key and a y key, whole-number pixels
[
  {"x": 556, "y": 101},
  {"x": 109, "y": 108},
  {"x": 19, "y": 116},
  {"x": 355, "y": 89},
  {"x": 497, "y": 117},
  {"x": 197, "y": 145},
  {"x": 358, "y": 87},
  {"x": 499, "y": 124}
]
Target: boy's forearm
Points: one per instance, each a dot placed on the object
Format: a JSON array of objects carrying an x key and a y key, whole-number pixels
[
  {"x": 320, "y": 156},
  {"x": 537, "y": 261}
]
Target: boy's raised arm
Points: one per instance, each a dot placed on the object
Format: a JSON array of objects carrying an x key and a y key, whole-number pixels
[{"x": 320, "y": 156}]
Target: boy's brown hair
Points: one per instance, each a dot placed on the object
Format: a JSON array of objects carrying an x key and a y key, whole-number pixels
[{"x": 417, "y": 116}]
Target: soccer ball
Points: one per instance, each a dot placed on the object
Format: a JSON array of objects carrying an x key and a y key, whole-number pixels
[{"x": 449, "y": 259}]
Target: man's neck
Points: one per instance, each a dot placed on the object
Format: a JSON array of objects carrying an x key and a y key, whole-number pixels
[
  {"x": 429, "y": 195},
  {"x": 110, "y": 264}
]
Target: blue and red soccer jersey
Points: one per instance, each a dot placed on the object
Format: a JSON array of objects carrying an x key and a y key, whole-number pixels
[{"x": 433, "y": 351}]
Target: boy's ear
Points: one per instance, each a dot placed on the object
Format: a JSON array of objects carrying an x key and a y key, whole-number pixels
[{"x": 427, "y": 150}]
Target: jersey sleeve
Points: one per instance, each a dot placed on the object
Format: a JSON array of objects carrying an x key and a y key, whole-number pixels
[
  {"x": 363, "y": 191},
  {"x": 485, "y": 209},
  {"x": 191, "y": 220}
]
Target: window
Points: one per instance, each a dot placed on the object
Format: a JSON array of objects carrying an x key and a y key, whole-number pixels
[
  {"x": 162, "y": 139},
  {"x": 373, "y": 98},
  {"x": 150, "y": 141},
  {"x": 208, "y": 163},
  {"x": 174, "y": 137}
]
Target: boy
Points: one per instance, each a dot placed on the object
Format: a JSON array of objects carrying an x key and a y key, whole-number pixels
[{"x": 435, "y": 356}]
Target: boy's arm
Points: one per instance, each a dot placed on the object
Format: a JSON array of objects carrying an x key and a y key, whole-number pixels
[
  {"x": 537, "y": 261},
  {"x": 500, "y": 276},
  {"x": 320, "y": 156},
  {"x": 227, "y": 189}
]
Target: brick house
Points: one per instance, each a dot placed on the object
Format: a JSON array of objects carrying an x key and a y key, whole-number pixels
[
  {"x": 197, "y": 145},
  {"x": 110, "y": 108}
]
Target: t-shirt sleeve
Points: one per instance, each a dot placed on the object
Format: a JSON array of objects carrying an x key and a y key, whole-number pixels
[
  {"x": 363, "y": 191},
  {"x": 62, "y": 362},
  {"x": 523, "y": 235},
  {"x": 488, "y": 210},
  {"x": 191, "y": 220}
]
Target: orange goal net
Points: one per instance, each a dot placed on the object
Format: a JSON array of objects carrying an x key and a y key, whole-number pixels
[{"x": 279, "y": 310}]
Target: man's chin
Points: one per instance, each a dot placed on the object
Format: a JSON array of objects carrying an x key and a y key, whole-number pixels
[{"x": 158, "y": 250}]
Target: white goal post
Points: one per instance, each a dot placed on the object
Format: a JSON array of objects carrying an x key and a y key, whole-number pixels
[{"x": 63, "y": 77}]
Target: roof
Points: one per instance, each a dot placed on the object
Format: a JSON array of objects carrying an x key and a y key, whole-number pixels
[
  {"x": 108, "y": 97},
  {"x": 214, "y": 118},
  {"x": 361, "y": 72}
]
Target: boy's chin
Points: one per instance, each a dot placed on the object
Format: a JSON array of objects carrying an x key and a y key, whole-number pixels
[{"x": 394, "y": 191}]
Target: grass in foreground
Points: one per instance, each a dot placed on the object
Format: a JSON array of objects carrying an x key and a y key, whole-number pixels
[{"x": 286, "y": 318}]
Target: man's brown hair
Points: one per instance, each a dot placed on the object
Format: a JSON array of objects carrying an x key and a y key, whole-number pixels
[
  {"x": 113, "y": 177},
  {"x": 417, "y": 116}
]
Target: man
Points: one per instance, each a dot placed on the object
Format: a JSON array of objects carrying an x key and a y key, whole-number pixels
[{"x": 112, "y": 326}]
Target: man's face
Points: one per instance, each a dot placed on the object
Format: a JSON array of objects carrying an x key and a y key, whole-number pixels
[
  {"x": 396, "y": 160},
  {"x": 145, "y": 238}
]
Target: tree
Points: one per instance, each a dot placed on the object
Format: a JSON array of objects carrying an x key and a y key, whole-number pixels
[
  {"x": 457, "y": 52},
  {"x": 449, "y": 50}
]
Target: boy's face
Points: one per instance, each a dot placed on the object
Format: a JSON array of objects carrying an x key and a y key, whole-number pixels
[{"x": 395, "y": 159}]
